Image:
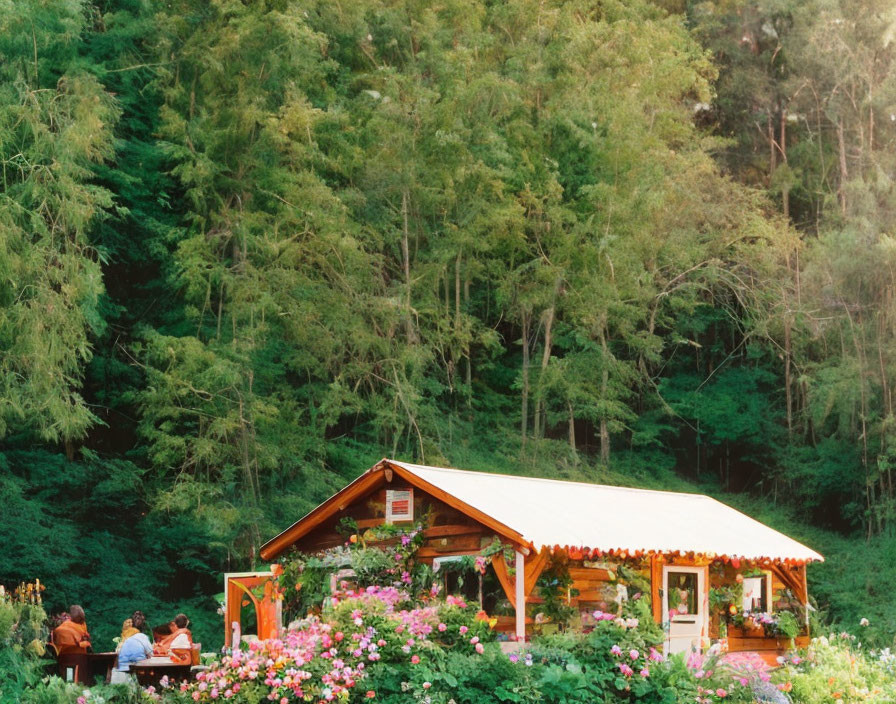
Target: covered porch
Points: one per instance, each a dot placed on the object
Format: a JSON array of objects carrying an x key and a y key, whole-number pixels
[{"x": 710, "y": 572}]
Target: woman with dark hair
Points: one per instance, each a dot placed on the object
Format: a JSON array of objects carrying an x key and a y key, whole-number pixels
[
  {"x": 135, "y": 646},
  {"x": 178, "y": 644}
]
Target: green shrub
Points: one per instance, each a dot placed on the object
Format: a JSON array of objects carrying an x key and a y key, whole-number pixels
[{"x": 490, "y": 678}]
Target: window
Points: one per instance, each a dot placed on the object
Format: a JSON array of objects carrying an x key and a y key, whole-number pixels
[
  {"x": 682, "y": 593},
  {"x": 756, "y": 594},
  {"x": 459, "y": 577},
  {"x": 399, "y": 505}
]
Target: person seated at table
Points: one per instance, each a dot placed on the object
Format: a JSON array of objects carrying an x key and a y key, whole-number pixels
[
  {"x": 127, "y": 630},
  {"x": 134, "y": 648},
  {"x": 71, "y": 636},
  {"x": 160, "y": 633},
  {"x": 178, "y": 642}
]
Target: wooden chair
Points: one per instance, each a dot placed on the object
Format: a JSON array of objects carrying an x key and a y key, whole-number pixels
[
  {"x": 186, "y": 656},
  {"x": 74, "y": 667}
]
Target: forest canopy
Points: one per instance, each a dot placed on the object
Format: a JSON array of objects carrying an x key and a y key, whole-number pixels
[{"x": 248, "y": 248}]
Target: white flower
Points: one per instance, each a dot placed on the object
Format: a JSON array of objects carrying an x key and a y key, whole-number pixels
[{"x": 864, "y": 622}]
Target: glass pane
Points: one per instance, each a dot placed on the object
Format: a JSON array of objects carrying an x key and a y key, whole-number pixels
[
  {"x": 754, "y": 594},
  {"x": 682, "y": 593}
]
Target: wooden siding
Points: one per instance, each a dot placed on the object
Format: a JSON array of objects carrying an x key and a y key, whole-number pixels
[{"x": 447, "y": 531}]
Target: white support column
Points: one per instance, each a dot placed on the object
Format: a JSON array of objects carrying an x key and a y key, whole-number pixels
[{"x": 520, "y": 596}]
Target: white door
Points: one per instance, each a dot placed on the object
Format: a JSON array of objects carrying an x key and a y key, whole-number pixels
[{"x": 685, "y": 607}]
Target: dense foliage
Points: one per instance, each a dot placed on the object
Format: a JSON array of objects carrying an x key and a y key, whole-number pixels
[
  {"x": 248, "y": 248},
  {"x": 381, "y": 645}
]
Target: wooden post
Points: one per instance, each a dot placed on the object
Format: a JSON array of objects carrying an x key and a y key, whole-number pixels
[
  {"x": 656, "y": 586},
  {"x": 704, "y": 633},
  {"x": 804, "y": 579},
  {"x": 520, "y": 606}
]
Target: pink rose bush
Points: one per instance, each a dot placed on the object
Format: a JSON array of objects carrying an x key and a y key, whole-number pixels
[
  {"x": 737, "y": 677},
  {"x": 305, "y": 665},
  {"x": 325, "y": 659}
]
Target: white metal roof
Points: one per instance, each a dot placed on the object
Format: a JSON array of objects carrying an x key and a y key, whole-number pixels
[{"x": 549, "y": 512}]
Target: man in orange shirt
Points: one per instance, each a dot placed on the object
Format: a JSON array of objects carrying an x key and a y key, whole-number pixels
[{"x": 71, "y": 636}]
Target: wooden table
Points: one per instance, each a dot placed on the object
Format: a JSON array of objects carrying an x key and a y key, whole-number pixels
[{"x": 152, "y": 670}]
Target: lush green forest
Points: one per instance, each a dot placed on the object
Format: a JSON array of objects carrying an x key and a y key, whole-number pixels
[{"x": 249, "y": 248}]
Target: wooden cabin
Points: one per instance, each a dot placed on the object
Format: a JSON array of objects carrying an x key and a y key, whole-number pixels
[{"x": 682, "y": 545}]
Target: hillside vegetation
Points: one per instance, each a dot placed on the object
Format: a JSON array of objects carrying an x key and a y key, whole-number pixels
[{"x": 249, "y": 248}]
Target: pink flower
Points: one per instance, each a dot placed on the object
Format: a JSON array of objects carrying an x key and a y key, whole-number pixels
[
  {"x": 427, "y": 685},
  {"x": 480, "y": 648},
  {"x": 633, "y": 654},
  {"x": 415, "y": 659},
  {"x": 463, "y": 629},
  {"x": 196, "y": 696},
  {"x": 442, "y": 627},
  {"x": 616, "y": 650},
  {"x": 370, "y": 694},
  {"x": 721, "y": 693},
  {"x": 645, "y": 672}
]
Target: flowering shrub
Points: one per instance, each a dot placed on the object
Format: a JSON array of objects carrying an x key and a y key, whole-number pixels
[
  {"x": 327, "y": 658},
  {"x": 618, "y": 660},
  {"x": 837, "y": 669},
  {"x": 404, "y": 627},
  {"x": 732, "y": 679},
  {"x": 305, "y": 665},
  {"x": 782, "y": 624}
]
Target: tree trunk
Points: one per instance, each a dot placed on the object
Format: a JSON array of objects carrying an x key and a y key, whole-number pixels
[
  {"x": 406, "y": 264},
  {"x": 524, "y": 411},
  {"x": 469, "y": 370},
  {"x": 787, "y": 373},
  {"x": 457, "y": 263},
  {"x": 785, "y": 189},
  {"x": 549, "y": 316},
  {"x": 540, "y": 415},
  {"x": 844, "y": 174},
  {"x": 772, "y": 149},
  {"x": 604, "y": 387}
]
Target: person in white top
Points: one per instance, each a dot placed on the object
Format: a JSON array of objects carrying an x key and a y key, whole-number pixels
[{"x": 179, "y": 638}]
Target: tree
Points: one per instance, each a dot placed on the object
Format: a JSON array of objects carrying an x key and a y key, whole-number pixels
[{"x": 55, "y": 122}]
